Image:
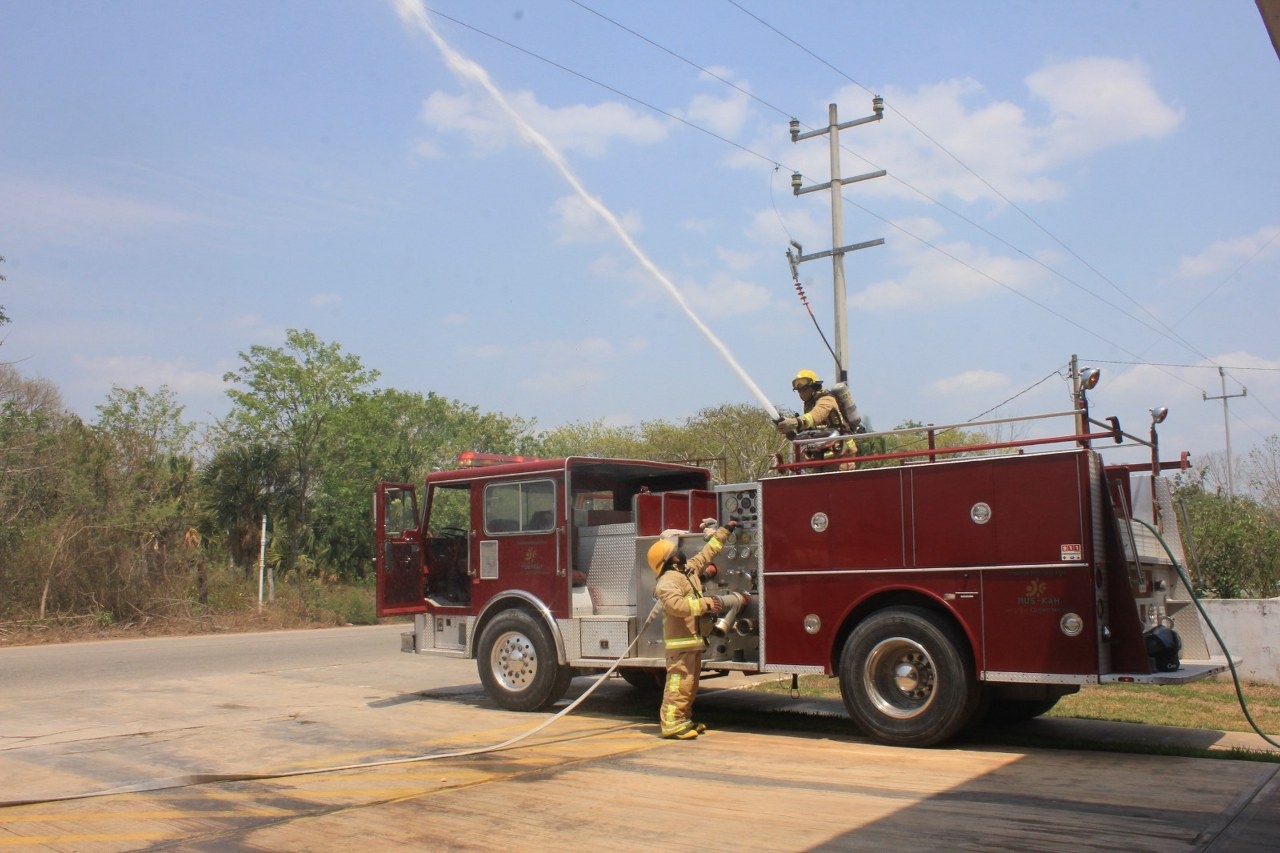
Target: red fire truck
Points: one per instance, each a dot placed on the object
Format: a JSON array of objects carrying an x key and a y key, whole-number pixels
[{"x": 945, "y": 584}]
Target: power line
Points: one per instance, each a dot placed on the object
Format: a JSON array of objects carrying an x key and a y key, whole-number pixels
[
  {"x": 1166, "y": 333},
  {"x": 1182, "y": 366},
  {"x": 1229, "y": 276},
  {"x": 980, "y": 178},
  {"x": 774, "y": 164},
  {"x": 1057, "y": 371}
]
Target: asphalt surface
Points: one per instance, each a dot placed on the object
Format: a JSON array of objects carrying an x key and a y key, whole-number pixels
[{"x": 253, "y": 742}]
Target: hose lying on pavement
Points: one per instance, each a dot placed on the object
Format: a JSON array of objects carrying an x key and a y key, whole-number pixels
[{"x": 192, "y": 779}]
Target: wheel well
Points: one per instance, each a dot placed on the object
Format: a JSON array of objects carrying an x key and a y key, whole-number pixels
[
  {"x": 498, "y": 606},
  {"x": 886, "y": 599}
]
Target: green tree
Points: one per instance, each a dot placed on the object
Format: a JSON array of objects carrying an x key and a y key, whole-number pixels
[
  {"x": 238, "y": 486},
  {"x": 395, "y": 436},
  {"x": 288, "y": 398},
  {"x": 137, "y": 463},
  {"x": 1261, "y": 472},
  {"x": 33, "y": 467},
  {"x": 590, "y": 438},
  {"x": 1235, "y": 541},
  {"x": 736, "y": 441}
]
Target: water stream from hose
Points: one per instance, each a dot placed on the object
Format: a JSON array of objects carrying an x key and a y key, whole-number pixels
[{"x": 414, "y": 13}]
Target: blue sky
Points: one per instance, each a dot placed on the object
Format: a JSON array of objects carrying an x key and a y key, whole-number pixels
[{"x": 184, "y": 180}]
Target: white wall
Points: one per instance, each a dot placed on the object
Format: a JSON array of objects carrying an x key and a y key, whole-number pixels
[{"x": 1250, "y": 627}]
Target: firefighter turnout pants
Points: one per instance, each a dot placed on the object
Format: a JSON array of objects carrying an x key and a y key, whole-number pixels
[{"x": 683, "y": 671}]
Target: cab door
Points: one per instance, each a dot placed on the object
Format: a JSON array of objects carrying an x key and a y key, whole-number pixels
[
  {"x": 520, "y": 542},
  {"x": 398, "y": 547}
]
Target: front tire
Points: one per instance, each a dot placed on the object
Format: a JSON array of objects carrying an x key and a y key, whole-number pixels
[
  {"x": 517, "y": 663},
  {"x": 906, "y": 677}
]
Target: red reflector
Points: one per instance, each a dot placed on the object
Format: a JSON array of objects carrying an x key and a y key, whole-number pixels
[{"x": 1126, "y": 679}]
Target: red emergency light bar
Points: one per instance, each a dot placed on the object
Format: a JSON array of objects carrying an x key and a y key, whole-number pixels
[{"x": 472, "y": 459}]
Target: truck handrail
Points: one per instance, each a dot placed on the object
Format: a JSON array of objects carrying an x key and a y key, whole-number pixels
[{"x": 1112, "y": 426}]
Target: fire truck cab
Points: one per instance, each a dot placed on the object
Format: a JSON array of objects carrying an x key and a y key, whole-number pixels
[{"x": 939, "y": 589}]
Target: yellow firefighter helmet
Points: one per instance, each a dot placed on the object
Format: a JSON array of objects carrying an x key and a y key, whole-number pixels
[
  {"x": 659, "y": 553},
  {"x": 663, "y": 550},
  {"x": 805, "y": 378}
]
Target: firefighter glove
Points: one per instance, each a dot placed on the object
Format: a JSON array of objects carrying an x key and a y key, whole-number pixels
[
  {"x": 715, "y": 603},
  {"x": 788, "y": 425},
  {"x": 731, "y": 525}
]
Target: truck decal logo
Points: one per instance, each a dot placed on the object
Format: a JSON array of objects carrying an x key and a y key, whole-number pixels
[{"x": 1035, "y": 598}]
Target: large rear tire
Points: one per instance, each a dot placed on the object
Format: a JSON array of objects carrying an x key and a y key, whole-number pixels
[
  {"x": 517, "y": 662},
  {"x": 906, "y": 676}
]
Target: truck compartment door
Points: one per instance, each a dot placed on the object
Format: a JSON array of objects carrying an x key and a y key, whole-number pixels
[{"x": 398, "y": 545}]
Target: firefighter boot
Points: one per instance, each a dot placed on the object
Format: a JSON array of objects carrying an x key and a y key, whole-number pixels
[{"x": 687, "y": 733}]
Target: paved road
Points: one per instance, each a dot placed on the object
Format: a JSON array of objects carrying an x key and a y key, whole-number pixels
[{"x": 186, "y": 725}]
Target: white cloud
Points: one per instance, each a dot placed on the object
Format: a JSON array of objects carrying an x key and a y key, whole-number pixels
[
  {"x": 1096, "y": 102},
  {"x": 944, "y": 274},
  {"x": 1194, "y": 421},
  {"x": 130, "y": 371},
  {"x": 576, "y": 127},
  {"x": 725, "y": 116},
  {"x": 1226, "y": 256},
  {"x": 724, "y": 295},
  {"x": 574, "y": 365},
  {"x": 970, "y": 382},
  {"x": 322, "y": 299},
  {"x": 574, "y": 221},
  {"x": 1088, "y": 104},
  {"x": 254, "y": 328}
]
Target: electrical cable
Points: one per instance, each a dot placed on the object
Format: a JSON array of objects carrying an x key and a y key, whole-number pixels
[
  {"x": 847, "y": 200},
  {"x": 1235, "y": 678},
  {"x": 1169, "y": 330},
  {"x": 804, "y": 300},
  {"x": 1057, "y": 371},
  {"x": 195, "y": 779}
]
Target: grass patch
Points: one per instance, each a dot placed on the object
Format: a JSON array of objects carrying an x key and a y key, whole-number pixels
[
  {"x": 1211, "y": 705},
  {"x": 1199, "y": 705}
]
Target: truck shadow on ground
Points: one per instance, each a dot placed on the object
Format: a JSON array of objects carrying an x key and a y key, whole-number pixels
[{"x": 747, "y": 710}]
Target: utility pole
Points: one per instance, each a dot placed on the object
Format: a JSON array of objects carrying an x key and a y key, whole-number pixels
[
  {"x": 837, "y": 252},
  {"x": 1226, "y": 424},
  {"x": 262, "y": 558}
]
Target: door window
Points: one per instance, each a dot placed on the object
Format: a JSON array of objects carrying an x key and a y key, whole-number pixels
[
  {"x": 528, "y": 507},
  {"x": 400, "y": 511}
]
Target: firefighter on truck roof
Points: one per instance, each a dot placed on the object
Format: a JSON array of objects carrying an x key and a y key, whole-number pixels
[
  {"x": 679, "y": 589},
  {"x": 821, "y": 410}
]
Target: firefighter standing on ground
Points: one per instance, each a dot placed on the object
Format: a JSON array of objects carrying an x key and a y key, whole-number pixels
[
  {"x": 821, "y": 409},
  {"x": 679, "y": 589}
]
